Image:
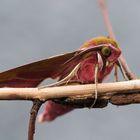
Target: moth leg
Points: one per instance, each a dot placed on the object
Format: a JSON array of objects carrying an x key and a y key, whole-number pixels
[
  {"x": 96, "y": 84},
  {"x": 118, "y": 63},
  {"x": 73, "y": 73},
  {"x": 64, "y": 80},
  {"x": 116, "y": 73}
]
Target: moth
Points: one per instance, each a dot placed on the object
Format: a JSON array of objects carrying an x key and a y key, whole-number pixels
[{"x": 90, "y": 64}]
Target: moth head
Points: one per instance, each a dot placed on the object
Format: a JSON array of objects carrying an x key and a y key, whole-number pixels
[
  {"x": 110, "y": 50},
  {"x": 105, "y": 46}
]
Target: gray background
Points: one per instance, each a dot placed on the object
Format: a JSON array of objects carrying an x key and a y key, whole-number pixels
[{"x": 36, "y": 29}]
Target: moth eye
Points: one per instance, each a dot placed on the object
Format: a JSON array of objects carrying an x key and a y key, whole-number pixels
[{"x": 106, "y": 51}]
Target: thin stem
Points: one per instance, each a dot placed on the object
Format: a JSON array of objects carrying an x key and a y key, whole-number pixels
[
  {"x": 104, "y": 10},
  {"x": 127, "y": 70},
  {"x": 106, "y": 18},
  {"x": 69, "y": 90},
  {"x": 116, "y": 73},
  {"x": 33, "y": 114}
]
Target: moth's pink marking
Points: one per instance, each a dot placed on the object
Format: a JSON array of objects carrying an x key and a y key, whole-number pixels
[{"x": 52, "y": 110}]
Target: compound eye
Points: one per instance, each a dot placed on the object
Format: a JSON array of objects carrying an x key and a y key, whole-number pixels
[{"x": 106, "y": 51}]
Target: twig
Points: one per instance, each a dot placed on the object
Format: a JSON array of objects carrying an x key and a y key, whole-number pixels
[
  {"x": 105, "y": 91},
  {"x": 33, "y": 114},
  {"x": 108, "y": 25}
]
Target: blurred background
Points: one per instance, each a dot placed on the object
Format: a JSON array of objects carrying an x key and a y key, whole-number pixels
[{"x": 34, "y": 30}]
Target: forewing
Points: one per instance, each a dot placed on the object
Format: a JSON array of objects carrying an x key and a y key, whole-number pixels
[{"x": 32, "y": 74}]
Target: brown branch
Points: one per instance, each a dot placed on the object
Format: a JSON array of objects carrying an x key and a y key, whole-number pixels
[
  {"x": 106, "y": 91},
  {"x": 33, "y": 114},
  {"x": 104, "y": 10}
]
